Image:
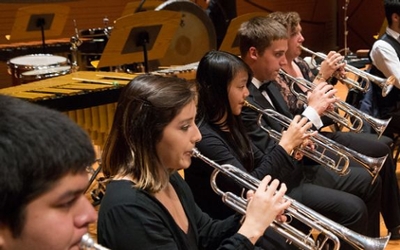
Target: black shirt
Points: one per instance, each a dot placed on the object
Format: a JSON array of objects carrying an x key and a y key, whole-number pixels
[{"x": 130, "y": 218}]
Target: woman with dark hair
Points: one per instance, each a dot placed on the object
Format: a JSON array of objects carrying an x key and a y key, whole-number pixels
[
  {"x": 223, "y": 79},
  {"x": 147, "y": 204}
]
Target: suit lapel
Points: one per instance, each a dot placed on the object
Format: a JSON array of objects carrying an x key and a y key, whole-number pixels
[
  {"x": 278, "y": 101},
  {"x": 261, "y": 102},
  {"x": 258, "y": 98}
]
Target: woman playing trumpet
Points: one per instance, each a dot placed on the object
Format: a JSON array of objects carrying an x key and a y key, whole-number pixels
[
  {"x": 223, "y": 80},
  {"x": 147, "y": 204},
  {"x": 367, "y": 144}
]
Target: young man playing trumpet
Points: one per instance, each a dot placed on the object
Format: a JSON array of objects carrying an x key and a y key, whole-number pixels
[
  {"x": 264, "y": 52},
  {"x": 366, "y": 144},
  {"x": 385, "y": 58},
  {"x": 43, "y": 175}
]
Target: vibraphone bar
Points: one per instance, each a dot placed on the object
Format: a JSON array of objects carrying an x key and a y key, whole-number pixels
[{"x": 73, "y": 91}]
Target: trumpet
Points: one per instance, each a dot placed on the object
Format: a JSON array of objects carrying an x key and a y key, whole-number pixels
[
  {"x": 371, "y": 164},
  {"x": 329, "y": 229},
  {"x": 385, "y": 84},
  {"x": 358, "y": 116},
  {"x": 88, "y": 243}
]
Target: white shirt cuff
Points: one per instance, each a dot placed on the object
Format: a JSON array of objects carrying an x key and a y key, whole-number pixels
[{"x": 313, "y": 117}]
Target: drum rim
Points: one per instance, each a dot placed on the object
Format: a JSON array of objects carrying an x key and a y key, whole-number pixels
[{"x": 62, "y": 69}]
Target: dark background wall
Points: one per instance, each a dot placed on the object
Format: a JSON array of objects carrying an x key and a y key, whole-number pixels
[{"x": 322, "y": 21}]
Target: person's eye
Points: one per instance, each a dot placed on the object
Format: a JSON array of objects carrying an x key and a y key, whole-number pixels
[
  {"x": 185, "y": 127},
  {"x": 67, "y": 204}
]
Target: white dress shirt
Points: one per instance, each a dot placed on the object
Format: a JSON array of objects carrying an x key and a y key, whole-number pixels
[{"x": 385, "y": 58}]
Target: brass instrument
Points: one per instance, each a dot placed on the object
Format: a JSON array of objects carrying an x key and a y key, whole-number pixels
[
  {"x": 358, "y": 116},
  {"x": 339, "y": 166},
  {"x": 385, "y": 84},
  {"x": 371, "y": 164},
  {"x": 88, "y": 243},
  {"x": 329, "y": 229}
]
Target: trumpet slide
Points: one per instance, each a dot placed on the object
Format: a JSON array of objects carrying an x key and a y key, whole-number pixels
[
  {"x": 358, "y": 116},
  {"x": 371, "y": 164},
  {"x": 385, "y": 84},
  {"x": 328, "y": 229}
]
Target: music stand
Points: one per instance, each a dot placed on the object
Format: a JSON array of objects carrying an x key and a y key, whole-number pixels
[
  {"x": 140, "y": 37},
  {"x": 132, "y": 7},
  {"x": 231, "y": 41},
  {"x": 34, "y": 21}
]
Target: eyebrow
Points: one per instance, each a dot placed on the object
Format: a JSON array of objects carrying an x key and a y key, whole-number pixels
[
  {"x": 70, "y": 193},
  {"x": 280, "y": 51},
  {"x": 186, "y": 120}
]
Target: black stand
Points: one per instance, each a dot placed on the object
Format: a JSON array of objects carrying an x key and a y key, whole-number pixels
[
  {"x": 42, "y": 23},
  {"x": 142, "y": 40},
  {"x": 346, "y": 50}
]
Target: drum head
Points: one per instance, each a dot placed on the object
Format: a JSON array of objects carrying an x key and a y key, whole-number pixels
[
  {"x": 195, "y": 35},
  {"x": 36, "y": 60}
]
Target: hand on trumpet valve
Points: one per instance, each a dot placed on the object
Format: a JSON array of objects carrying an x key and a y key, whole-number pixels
[
  {"x": 333, "y": 64},
  {"x": 322, "y": 97},
  {"x": 267, "y": 203},
  {"x": 307, "y": 143},
  {"x": 295, "y": 133}
]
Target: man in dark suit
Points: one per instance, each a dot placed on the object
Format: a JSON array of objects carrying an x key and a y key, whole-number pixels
[
  {"x": 363, "y": 143},
  {"x": 265, "y": 55}
]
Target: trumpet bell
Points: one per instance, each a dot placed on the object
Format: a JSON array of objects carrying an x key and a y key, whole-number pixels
[{"x": 386, "y": 85}]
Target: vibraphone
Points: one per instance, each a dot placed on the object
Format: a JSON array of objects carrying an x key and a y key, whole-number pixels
[{"x": 87, "y": 97}]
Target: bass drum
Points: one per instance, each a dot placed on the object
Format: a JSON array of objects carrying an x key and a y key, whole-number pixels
[{"x": 194, "y": 37}]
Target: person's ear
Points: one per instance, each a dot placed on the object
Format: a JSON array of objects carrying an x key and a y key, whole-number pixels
[
  {"x": 395, "y": 17},
  {"x": 253, "y": 53}
]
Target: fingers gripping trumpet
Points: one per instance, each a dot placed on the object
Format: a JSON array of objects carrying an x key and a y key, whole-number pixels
[
  {"x": 385, "y": 84},
  {"x": 322, "y": 146},
  {"x": 328, "y": 229},
  {"x": 357, "y": 116}
]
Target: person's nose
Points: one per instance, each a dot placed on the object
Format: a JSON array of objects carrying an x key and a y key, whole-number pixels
[
  {"x": 85, "y": 213},
  {"x": 246, "y": 92},
  {"x": 197, "y": 135},
  {"x": 283, "y": 61},
  {"x": 301, "y": 38}
]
